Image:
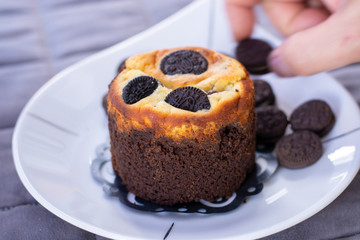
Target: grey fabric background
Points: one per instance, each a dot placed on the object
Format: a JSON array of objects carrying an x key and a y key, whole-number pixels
[{"x": 39, "y": 38}]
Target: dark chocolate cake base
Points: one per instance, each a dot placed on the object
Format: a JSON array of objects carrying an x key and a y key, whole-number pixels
[{"x": 166, "y": 172}]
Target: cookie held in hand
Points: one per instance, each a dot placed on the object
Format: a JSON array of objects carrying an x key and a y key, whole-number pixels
[{"x": 253, "y": 54}]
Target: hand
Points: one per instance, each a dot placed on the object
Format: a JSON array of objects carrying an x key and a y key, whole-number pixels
[{"x": 318, "y": 38}]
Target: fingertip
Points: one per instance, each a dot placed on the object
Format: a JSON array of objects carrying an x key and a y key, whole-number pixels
[
  {"x": 307, "y": 18},
  {"x": 278, "y": 65},
  {"x": 290, "y": 17},
  {"x": 330, "y": 44},
  {"x": 241, "y": 20}
]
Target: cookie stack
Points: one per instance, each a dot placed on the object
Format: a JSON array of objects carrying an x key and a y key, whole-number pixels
[
  {"x": 309, "y": 122},
  {"x": 271, "y": 121}
]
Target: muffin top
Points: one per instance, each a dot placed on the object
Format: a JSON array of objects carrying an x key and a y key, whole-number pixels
[{"x": 181, "y": 86}]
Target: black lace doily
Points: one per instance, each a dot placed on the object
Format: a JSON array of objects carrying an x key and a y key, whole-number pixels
[{"x": 112, "y": 185}]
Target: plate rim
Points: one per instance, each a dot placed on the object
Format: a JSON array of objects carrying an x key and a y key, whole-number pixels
[{"x": 324, "y": 201}]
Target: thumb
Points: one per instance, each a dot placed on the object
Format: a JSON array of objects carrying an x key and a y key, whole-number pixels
[{"x": 333, "y": 43}]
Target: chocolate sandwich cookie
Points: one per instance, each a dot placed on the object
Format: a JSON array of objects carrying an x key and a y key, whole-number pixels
[
  {"x": 271, "y": 124},
  {"x": 139, "y": 88},
  {"x": 253, "y": 54},
  {"x": 183, "y": 62},
  {"x": 104, "y": 103},
  {"x": 264, "y": 94},
  {"x": 122, "y": 66},
  {"x": 315, "y": 116},
  {"x": 299, "y": 149},
  {"x": 188, "y": 98}
]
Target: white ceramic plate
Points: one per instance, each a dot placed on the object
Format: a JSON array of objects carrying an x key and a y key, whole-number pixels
[{"x": 57, "y": 133}]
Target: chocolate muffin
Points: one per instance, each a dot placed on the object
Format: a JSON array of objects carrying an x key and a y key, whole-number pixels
[{"x": 182, "y": 125}]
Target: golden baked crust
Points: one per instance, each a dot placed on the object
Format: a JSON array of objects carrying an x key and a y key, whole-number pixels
[{"x": 231, "y": 96}]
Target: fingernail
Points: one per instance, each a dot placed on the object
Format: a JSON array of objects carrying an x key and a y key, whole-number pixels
[{"x": 278, "y": 65}]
